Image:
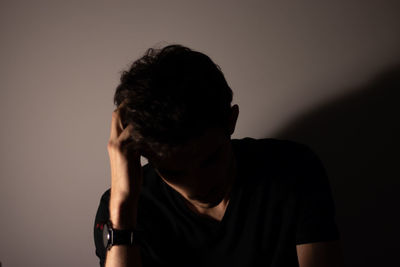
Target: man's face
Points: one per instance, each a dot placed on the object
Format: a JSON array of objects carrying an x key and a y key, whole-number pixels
[{"x": 200, "y": 167}]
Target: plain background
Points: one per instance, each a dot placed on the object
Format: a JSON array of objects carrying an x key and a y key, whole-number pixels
[{"x": 324, "y": 73}]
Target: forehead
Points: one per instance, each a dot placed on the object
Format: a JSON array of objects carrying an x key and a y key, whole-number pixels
[{"x": 193, "y": 151}]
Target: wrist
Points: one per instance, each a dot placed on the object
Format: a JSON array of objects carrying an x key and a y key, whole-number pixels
[
  {"x": 113, "y": 236},
  {"x": 123, "y": 215},
  {"x": 123, "y": 224}
]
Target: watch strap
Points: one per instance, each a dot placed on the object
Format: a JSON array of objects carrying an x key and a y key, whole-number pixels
[
  {"x": 127, "y": 237},
  {"x": 123, "y": 237}
]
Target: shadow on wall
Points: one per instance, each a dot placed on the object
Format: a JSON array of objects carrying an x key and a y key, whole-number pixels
[{"x": 357, "y": 138}]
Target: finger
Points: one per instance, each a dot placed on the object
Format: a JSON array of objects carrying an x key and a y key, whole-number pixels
[
  {"x": 126, "y": 137},
  {"x": 120, "y": 109},
  {"x": 115, "y": 125},
  {"x": 126, "y": 133}
]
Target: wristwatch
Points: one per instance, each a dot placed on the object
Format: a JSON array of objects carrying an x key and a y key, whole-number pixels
[{"x": 113, "y": 237}]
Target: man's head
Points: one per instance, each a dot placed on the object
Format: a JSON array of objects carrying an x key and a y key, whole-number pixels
[
  {"x": 179, "y": 105},
  {"x": 171, "y": 96}
]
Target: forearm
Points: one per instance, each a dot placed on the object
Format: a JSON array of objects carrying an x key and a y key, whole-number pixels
[
  {"x": 123, "y": 216},
  {"x": 123, "y": 256}
]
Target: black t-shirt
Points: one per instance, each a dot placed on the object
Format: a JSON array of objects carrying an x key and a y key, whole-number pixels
[{"x": 280, "y": 198}]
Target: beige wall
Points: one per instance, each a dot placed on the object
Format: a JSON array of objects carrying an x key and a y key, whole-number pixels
[{"x": 60, "y": 63}]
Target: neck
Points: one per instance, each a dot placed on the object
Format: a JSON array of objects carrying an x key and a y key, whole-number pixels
[
  {"x": 218, "y": 198},
  {"x": 224, "y": 191}
]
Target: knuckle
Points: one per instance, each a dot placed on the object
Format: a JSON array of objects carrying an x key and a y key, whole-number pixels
[
  {"x": 116, "y": 146},
  {"x": 111, "y": 144}
]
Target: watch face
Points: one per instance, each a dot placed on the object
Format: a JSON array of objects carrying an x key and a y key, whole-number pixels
[{"x": 106, "y": 235}]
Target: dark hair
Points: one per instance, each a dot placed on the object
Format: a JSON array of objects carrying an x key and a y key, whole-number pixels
[{"x": 172, "y": 95}]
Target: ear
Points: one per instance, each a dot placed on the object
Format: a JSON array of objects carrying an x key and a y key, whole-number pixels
[{"x": 233, "y": 119}]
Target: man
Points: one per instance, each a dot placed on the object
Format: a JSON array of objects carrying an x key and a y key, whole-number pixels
[{"x": 205, "y": 199}]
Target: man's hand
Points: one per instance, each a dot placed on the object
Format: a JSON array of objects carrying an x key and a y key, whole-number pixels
[
  {"x": 126, "y": 174},
  {"x": 126, "y": 183}
]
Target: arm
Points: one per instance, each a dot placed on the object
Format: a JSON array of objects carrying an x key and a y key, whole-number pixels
[
  {"x": 320, "y": 254},
  {"x": 126, "y": 181},
  {"x": 119, "y": 256},
  {"x": 317, "y": 236}
]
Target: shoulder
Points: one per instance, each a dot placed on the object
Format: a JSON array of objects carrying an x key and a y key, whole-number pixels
[
  {"x": 105, "y": 197},
  {"x": 279, "y": 151},
  {"x": 102, "y": 213},
  {"x": 277, "y": 161},
  {"x": 277, "y": 145}
]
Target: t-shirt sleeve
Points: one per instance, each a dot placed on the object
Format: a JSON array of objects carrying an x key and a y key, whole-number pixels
[
  {"x": 315, "y": 209},
  {"x": 101, "y": 218}
]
